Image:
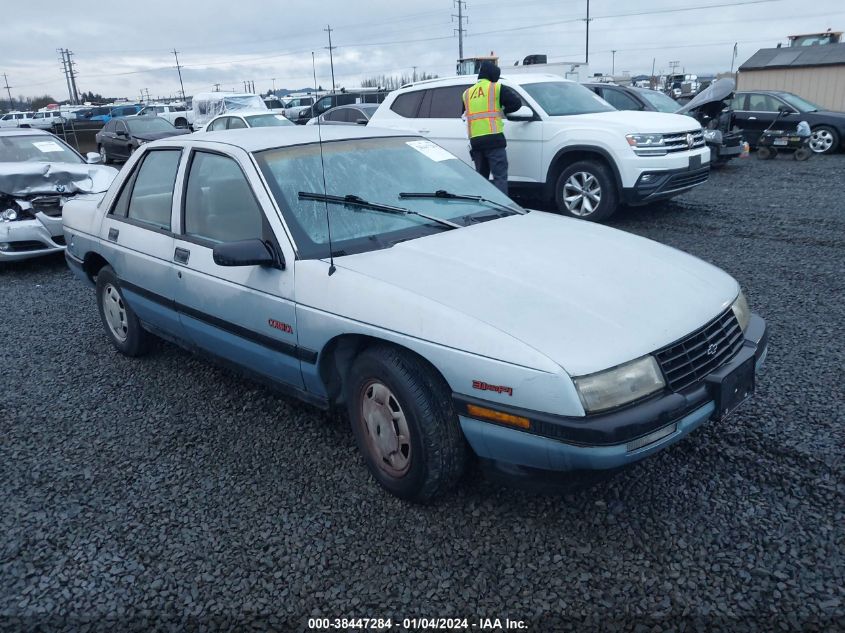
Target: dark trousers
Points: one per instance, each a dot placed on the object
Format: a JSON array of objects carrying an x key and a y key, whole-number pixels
[{"x": 495, "y": 161}]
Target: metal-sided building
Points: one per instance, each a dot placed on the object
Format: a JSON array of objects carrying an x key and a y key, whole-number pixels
[{"x": 816, "y": 73}]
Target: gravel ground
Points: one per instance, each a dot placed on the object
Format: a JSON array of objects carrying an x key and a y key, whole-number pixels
[{"x": 168, "y": 493}]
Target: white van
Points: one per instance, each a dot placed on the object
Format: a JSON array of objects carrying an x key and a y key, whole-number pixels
[{"x": 207, "y": 105}]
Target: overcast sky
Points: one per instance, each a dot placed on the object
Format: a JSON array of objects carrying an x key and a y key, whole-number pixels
[{"x": 125, "y": 47}]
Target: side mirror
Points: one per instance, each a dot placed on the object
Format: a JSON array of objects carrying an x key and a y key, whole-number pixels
[
  {"x": 523, "y": 114},
  {"x": 93, "y": 158},
  {"x": 122, "y": 133},
  {"x": 362, "y": 121},
  {"x": 783, "y": 110},
  {"x": 253, "y": 252}
]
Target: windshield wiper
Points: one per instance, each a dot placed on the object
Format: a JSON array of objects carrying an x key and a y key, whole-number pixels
[
  {"x": 355, "y": 201},
  {"x": 442, "y": 194}
]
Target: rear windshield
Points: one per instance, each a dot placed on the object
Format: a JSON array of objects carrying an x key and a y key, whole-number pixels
[{"x": 563, "y": 98}]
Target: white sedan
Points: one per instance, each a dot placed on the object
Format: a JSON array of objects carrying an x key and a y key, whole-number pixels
[
  {"x": 378, "y": 274},
  {"x": 239, "y": 120}
]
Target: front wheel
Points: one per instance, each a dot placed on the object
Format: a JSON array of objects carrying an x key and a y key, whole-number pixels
[
  {"x": 401, "y": 415},
  {"x": 824, "y": 140},
  {"x": 122, "y": 326},
  {"x": 181, "y": 123},
  {"x": 104, "y": 155},
  {"x": 586, "y": 190}
]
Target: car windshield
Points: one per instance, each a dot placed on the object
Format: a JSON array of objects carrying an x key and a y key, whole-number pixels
[
  {"x": 267, "y": 120},
  {"x": 562, "y": 98},
  {"x": 149, "y": 126},
  {"x": 660, "y": 101},
  {"x": 376, "y": 170},
  {"x": 802, "y": 105},
  {"x": 36, "y": 149}
]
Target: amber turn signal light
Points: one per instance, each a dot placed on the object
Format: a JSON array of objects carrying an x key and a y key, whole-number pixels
[{"x": 497, "y": 416}]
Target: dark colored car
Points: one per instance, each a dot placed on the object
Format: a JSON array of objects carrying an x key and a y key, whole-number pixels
[
  {"x": 710, "y": 107},
  {"x": 358, "y": 114},
  {"x": 120, "y": 137},
  {"x": 631, "y": 98},
  {"x": 107, "y": 113},
  {"x": 326, "y": 103},
  {"x": 755, "y": 110}
]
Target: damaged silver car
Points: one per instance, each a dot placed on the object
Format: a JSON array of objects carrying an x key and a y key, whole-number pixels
[{"x": 39, "y": 173}]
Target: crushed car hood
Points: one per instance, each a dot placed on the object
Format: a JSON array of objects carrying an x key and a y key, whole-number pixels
[
  {"x": 586, "y": 296},
  {"x": 26, "y": 179},
  {"x": 719, "y": 90}
]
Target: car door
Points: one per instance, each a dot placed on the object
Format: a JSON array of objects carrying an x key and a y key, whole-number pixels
[
  {"x": 439, "y": 119},
  {"x": 243, "y": 314},
  {"x": 619, "y": 99},
  {"x": 120, "y": 141},
  {"x": 137, "y": 239},
  {"x": 761, "y": 110},
  {"x": 525, "y": 146}
]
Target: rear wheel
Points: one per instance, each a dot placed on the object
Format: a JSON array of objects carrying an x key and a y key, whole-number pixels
[
  {"x": 824, "y": 140},
  {"x": 765, "y": 153},
  {"x": 402, "y": 418},
  {"x": 586, "y": 190},
  {"x": 181, "y": 123},
  {"x": 104, "y": 155},
  {"x": 802, "y": 154},
  {"x": 122, "y": 326}
]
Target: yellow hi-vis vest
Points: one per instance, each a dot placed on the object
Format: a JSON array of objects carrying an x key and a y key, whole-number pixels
[{"x": 483, "y": 108}]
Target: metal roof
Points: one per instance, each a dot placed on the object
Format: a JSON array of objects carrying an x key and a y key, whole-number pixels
[{"x": 796, "y": 57}]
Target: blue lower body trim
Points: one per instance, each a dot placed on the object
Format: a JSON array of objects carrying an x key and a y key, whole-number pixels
[{"x": 502, "y": 444}]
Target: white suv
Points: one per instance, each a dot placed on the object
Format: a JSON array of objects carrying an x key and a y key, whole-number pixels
[{"x": 565, "y": 143}]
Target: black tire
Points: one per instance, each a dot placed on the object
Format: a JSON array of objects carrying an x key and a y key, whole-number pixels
[
  {"x": 137, "y": 340},
  {"x": 764, "y": 153},
  {"x": 824, "y": 130},
  {"x": 437, "y": 452},
  {"x": 106, "y": 158},
  {"x": 181, "y": 123},
  {"x": 608, "y": 195}
]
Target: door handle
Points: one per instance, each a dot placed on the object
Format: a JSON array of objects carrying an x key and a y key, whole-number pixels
[
  {"x": 752, "y": 118},
  {"x": 181, "y": 255},
  {"x": 113, "y": 233}
]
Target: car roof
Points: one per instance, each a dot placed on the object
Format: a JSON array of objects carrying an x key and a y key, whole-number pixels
[
  {"x": 459, "y": 80},
  {"x": 258, "y": 139},
  {"x": 245, "y": 113},
  {"x": 17, "y": 131}
]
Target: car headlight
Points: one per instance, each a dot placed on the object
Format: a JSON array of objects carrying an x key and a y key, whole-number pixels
[
  {"x": 645, "y": 140},
  {"x": 713, "y": 136},
  {"x": 9, "y": 215},
  {"x": 620, "y": 385},
  {"x": 741, "y": 311}
]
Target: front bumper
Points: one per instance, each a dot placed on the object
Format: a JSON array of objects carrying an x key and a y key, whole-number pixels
[
  {"x": 23, "y": 239},
  {"x": 661, "y": 185},
  {"x": 603, "y": 441}
]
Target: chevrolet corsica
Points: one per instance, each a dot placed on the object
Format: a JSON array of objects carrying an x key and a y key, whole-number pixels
[{"x": 398, "y": 284}]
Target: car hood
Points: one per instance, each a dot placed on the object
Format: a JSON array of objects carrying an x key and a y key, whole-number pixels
[
  {"x": 25, "y": 179},
  {"x": 631, "y": 121},
  {"x": 719, "y": 90},
  {"x": 586, "y": 296}
]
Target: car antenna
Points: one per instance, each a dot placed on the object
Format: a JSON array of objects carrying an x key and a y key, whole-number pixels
[{"x": 332, "y": 268}]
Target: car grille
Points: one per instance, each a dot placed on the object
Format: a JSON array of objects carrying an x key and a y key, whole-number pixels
[
  {"x": 48, "y": 205},
  {"x": 689, "y": 360},
  {"x": 678, "y": 142},
  {"x": 687, "y": 179}
]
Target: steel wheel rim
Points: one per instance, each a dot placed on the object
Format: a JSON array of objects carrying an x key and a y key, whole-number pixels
[
  {"x": 114, "y": 311},
  {"x": 103, "y": 155},
  {"x": 385, "y": 429},
  {"x": 582, "y": 194},
  {"x": 821, "y": 141}
]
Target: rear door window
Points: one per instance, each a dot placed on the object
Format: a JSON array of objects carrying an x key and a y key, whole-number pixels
[
  {"x": 152, "y": 193},
  {"x": 762, "y": 103},
  {"x": 236, "y": 123},
  {"x": 407, "y": 105},
  {"x": 446, "y": 102},
  {"x": 620, "y": 100}
]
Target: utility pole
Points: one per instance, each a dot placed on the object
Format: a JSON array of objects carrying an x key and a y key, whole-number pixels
[
  {"x": 216, "y": 87},
  {"x": 461, "y": 4},
  {"x": 8, "y": 91},
  {"x": 329, "y": 30},
  {"x": 72, "y": 74},
  {"x": 415, "y": 73},
  {"x": 733, "y": 57},
  {"x": 274, "y": 85},
  {"x": 673, "y": 66},
  {"x": 653, "y": 83},
  {"x": 613, "y": 66},
  {"x": 587, "y": 46},
  {"x": 179, "y": 70},
  {"x": 61, "y": 52}
]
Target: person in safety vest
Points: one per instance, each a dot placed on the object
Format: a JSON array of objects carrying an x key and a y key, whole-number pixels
[{"x": 484, "y": 104}]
